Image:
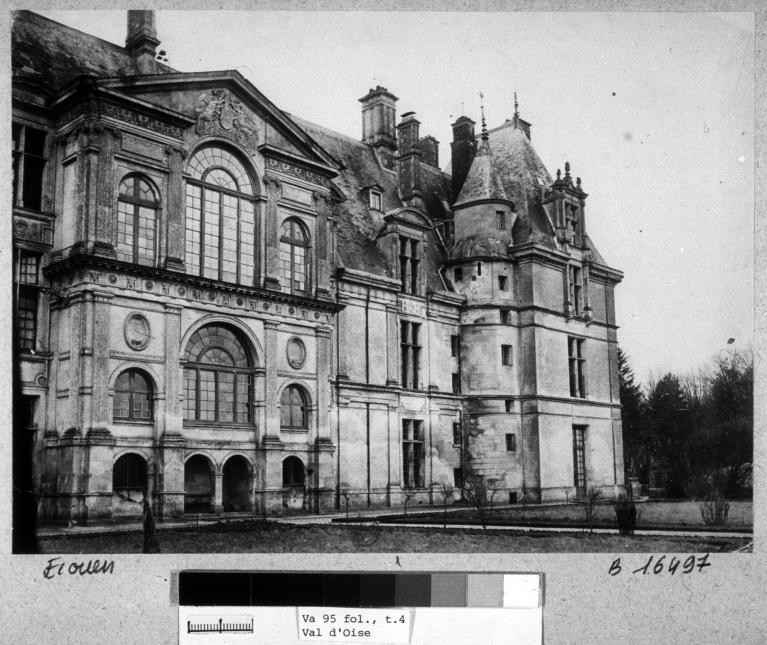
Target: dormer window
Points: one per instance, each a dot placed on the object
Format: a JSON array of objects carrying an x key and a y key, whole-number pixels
[
  {"x": 576, "y": 285},
  {"x": 375, "y": 198},
  {"x": 409, "y": 264},
  {"x": 571, "y": 217}
]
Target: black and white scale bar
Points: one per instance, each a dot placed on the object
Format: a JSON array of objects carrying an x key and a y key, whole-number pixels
[{"x": 234, "y": 625}]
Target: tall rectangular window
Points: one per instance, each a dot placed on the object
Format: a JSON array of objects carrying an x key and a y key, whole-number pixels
[
  {"x": 505, "y": 317},
  {"x": 455, "y": 345},
  {"x": 456, "y": 383},
  {"x": 375, "y": 200},
  {"x": 506, "y": 355},
  {"x": 511, "y": 442},
  {"x": 410, "y": 353},
  {"x": 503, "y": 283},
  {"x": 27, "y": 292},
  {"x": 579, "y": 457},
  {"x": 458, "y": 274},
  {"x": 28, "y": 166},
  {"x": 500, "y": 219},
  {"x": 577, "y": 364},
  {"x": 413, "y": 458},
  {"x": 458, "y": 478},
  {"x": 409, "y": 262},
  {"x": 576, "y": 286}
]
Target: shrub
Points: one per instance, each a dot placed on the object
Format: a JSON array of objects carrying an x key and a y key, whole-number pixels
[
  {"x": 714, "y": 510},
  {"x": 626, "y": 514},
  {"x": 593, "y": 494}
]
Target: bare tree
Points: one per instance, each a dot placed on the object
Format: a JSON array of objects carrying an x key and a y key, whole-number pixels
[
  {"x": 480, "y": 493},
  {"x": 447, "y": 491},
  {"x": 589, "y": 502},
  {"x": 408, "y": 495}
]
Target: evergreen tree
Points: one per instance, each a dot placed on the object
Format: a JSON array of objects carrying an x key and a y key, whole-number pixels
[{"x": 635, "y": 449}]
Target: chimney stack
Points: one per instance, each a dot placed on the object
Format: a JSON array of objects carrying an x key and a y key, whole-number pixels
[
  {"x": 409, "y": 157},
  {"x": 142, "y": 40},
  {"x": 379, "y": 116},
  {"x": 430, "y": 150},
  {"x": 462, "y": 151}
]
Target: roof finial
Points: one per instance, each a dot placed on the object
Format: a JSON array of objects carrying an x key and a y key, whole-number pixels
[
  {"x": 485, "y": 136},
  {"x": 567, "y": 169},
  {"x": 516, "y": 107}
]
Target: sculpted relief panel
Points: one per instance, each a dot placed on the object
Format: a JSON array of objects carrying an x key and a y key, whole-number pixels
[{"x": 219, "y": 113}]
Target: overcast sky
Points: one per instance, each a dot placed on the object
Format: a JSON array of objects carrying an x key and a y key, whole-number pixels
[{"x": 654, "y": 111}]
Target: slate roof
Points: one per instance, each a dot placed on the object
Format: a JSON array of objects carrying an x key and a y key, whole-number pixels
[
  {"x": 482, "y": 180},
  {"x": 52, "y": 54}
]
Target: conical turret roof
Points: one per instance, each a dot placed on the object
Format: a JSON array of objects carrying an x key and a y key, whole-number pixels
[{"x": 483, "y": 181}]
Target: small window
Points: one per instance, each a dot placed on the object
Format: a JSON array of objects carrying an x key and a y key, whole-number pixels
[
  {"x": 509, "y": 404},
  {"x": 458, "y": 478},
  {"x": 479, "y": 268},
  {"x": 576, "y": 286},
  {"x": 503, "y": 283},
  {"x": 500, "y": 219},
  {"x": 511, "y": 442},
  {"x": 505, "y": 317},
  {"x": 375, "y": 200},
  {"x": 456, "y": 383},
  {"x": 455, "y": 345},
  {"x": 28, "y": 166},
  {"x": 458, "y": 274},
  {"x": 506, "y": 355},
  {"x": 457, "y": 434}
]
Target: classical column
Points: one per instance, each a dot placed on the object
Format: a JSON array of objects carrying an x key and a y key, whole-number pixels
[{"x": 174, "y": 210}]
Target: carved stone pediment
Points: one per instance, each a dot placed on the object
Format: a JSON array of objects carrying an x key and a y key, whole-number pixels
[{"x": 218, "y": 112}]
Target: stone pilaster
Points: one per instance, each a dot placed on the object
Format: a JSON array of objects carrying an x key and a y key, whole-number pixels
[
  {"x": 171, "y": 481},
  {"x": 342, "y": 332},
  {"x": 324, "y": 367},
  {"x": 101, "y": 411},
  {"x": 100, "y": 457},
  {"x": 531, "y": 465},
  {"x": 392, "y": 346},
  {"x": 271, "y": 360},
  {"x": 272, "y": 225},
  {"x": 394, "y": 457},
  {"x": 174, "y": 210},
  {"x": 105, "y": 233},
  {"x": 173, "y": 417},
  {"x": 218, "y": 492},
  {"x": 321, "y": 237}
]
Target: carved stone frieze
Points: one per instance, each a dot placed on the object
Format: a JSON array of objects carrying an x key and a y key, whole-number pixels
[
  {"x": 143, "y": 120},
  {"x": 295, "y": 171},
  {"x": 219, "y": 113}
]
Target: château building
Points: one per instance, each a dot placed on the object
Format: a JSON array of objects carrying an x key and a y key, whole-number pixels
[{"x": 257, "y": 313}]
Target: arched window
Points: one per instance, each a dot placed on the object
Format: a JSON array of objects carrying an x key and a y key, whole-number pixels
[
  {"x": 133, "y": 397},
  {"x": 129, "y": 473},
  {"x": 137, "y": 206},
  {"x": 294, "y": 255},
  {"x": 292, "y": 472},
  {"x": 294, "y": 408},
  {"x": 220, "y": 217},
  {"x": 218, "y": 377}
]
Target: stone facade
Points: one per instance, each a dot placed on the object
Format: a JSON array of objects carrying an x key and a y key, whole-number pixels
[{"x": 260, "y": 314}]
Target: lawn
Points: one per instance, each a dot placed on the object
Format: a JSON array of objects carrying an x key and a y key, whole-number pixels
[
  {"x": 650, "y": 515},
  {"x": 255, "y": 536}
]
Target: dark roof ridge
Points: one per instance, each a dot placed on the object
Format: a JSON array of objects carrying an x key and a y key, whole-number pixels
[
  {"x": 39, "y": 16},
  {"x": 327, "y": 130}
]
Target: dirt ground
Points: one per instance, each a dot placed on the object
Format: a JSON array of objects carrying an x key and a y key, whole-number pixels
[{"x": 253, "y": 536}]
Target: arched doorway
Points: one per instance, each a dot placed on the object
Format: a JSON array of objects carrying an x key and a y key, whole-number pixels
[
  {"x": 236, "y": 485},
  {"x": 293, "y": 483},
  {"x": 198, "y": 485}
]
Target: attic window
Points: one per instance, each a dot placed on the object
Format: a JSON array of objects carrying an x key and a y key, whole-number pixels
[{"x": 375, "y": 200}]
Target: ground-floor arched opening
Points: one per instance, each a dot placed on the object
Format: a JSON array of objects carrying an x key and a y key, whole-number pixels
[
  {"x": 198, "y": 485},
  {"x": 236, "y": 485}
]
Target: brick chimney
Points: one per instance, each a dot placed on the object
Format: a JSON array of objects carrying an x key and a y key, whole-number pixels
[
  {"x": 409, "y": 157},
  {"x": 379, "y": 116},
  {"x": 430, "y": 150},
  {"x": 462, "y": 151},
  {"x": 142, "y": 40}
]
